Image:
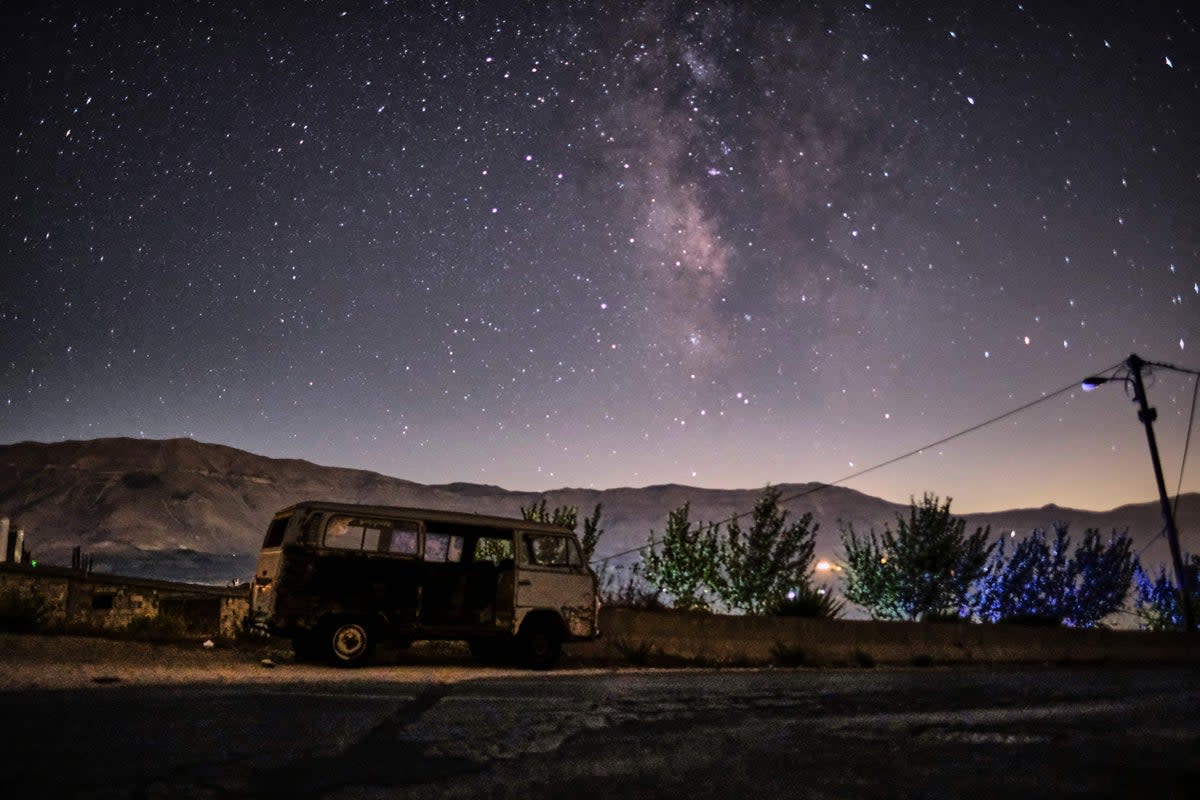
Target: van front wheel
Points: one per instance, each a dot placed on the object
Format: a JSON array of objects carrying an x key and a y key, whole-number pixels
[
  {"x": 349, "y": 642},
  {"x": 307, "y": 646}
]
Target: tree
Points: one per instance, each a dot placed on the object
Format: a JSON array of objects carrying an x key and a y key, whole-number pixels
[
  {"x": 562, "y": 516},
  {"x": 591, "y": 534},
  {"x": 1043, "y": 582},
  {"x": 760, "y": 566},
  {"x": 1029, "y": 586},
  {"x": 1100, "y": 577},
  {"x": 1157, "y": 600},
  {"x": 683, "y": 564},
  {"x": 922, "y": 570}
]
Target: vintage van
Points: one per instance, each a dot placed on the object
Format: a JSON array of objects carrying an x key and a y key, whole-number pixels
[{"x": 337, "y": 578}]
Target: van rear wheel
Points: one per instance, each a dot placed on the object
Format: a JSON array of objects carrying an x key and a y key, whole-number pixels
[
  {"x": 539, "y": 645},
  {"x": 348, "y": 642},
  {"x": 488, "y": 651}
]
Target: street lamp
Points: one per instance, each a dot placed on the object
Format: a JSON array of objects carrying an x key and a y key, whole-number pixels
[{"x": 1133, "y": 377}]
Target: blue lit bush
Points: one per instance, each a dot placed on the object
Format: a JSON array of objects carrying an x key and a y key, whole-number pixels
[
  {"x": 1044, "y": 582},
  {"x": 1156, "y": 601}
]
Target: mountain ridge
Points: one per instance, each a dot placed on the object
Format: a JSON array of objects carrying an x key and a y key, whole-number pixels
[{"x": 128, "y": 500}]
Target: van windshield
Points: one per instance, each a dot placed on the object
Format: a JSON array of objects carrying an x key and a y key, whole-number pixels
[{"x": 551, "y": 551}]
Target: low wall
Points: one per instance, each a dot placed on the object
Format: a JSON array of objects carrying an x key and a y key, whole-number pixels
[
  {"x": 77, "y": 600},
  {"x": 667, "y": 637}
]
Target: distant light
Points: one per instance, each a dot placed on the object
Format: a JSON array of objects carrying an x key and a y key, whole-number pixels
[
  {"x": 1089, "y": 384},
  {"x": 824, "y": 566}
]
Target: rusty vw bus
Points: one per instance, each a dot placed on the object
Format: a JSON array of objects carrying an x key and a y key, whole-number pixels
[{"x": 337, "y": 579}]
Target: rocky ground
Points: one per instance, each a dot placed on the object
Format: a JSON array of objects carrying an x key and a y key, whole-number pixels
[{"x": 32, "y": 661}]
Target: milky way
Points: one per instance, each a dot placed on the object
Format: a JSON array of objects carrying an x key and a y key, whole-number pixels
[{"x": 720, "y": 245}]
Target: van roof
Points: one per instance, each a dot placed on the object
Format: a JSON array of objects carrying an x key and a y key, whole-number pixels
[{"x": 431, "y": 514}]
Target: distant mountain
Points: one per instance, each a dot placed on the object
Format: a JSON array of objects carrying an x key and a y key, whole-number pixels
[{"x": 183, "y": 509}]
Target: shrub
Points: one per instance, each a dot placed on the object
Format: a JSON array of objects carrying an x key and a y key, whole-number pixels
[
  {"x": 864, "y": 659},
  {"x": 23, "y": 611},
  {"x": 785, "y": 655},
  {"x": 812, "y": 602},
  {"x": 1158, "y": 601},
  {"x": 626, "y": 587},
  {"x": 634, "y": 653}
]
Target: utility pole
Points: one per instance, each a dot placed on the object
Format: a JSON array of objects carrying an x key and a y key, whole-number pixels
[{"x": 1147, "y": 415}]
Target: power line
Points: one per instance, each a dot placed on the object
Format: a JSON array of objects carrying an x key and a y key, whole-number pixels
[
  {"x": 1187, "y": 441},
  {"x": 1182, "y": 464},
  {"x": 1161, "y": 532},
  {"x": 889, "y": 462}
]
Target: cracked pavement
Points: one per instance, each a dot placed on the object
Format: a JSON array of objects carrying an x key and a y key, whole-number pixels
[{"x": 631, "y": 733}]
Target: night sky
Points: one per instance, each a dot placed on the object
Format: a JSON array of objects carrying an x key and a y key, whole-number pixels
[{"x": 712, "y": 244}]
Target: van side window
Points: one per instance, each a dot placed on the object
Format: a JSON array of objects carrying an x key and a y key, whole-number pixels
[
  {"x": 355, "y": 533},
  {"x": 443, "y": 547},
  {"x": 494, "y": 549},
  {"x": 275, "y": 532},
  {"x": 403, "y": 540}
]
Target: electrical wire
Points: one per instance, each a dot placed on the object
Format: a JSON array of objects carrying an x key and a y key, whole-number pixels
[
  {"x": 1161, "y": 533},
  {"x": 1187, "y": 441},
  {"x": 888, "y": 463}
]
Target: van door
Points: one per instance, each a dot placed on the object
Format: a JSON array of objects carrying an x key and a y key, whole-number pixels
[
  {"x": 551, "y": 575},
  {"x": 264, "y": 588}
]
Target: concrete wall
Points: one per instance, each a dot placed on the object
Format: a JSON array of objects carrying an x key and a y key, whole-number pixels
[
  {"x": 666, "y": 637},
  {"x": 78, "y": 600}
]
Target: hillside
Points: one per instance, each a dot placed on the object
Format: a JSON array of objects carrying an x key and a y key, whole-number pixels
[{"x": 180, "y": 508}]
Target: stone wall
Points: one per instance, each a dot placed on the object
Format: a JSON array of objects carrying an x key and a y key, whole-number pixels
[{"x": 82, "y": 601}]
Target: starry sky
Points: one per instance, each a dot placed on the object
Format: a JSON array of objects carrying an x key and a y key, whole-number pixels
[{"x": 619, "y": 244}]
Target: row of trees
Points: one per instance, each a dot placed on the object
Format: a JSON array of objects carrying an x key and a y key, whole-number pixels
[{"x": 928, "y": 567}]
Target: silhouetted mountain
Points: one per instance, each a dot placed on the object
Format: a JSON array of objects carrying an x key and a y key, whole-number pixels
[{"x": 179, "y": 508}]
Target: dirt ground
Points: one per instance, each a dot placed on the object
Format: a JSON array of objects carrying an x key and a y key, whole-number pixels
[{"x": 34, "y": 661}]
